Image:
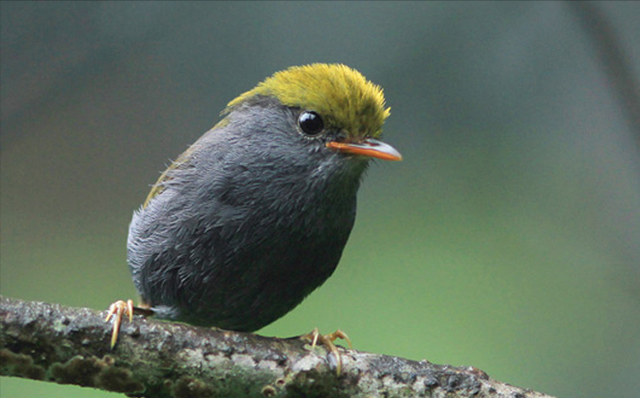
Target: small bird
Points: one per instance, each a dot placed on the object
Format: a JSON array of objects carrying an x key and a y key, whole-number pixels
[{"x": 255, "y": 214}]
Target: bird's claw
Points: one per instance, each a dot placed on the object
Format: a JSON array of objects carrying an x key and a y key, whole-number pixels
[
  {"x": 118, "y": 310},
  {"x": 328, "y": 341}
]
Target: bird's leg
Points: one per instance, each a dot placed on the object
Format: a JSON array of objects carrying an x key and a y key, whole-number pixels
[
  {"x": 120, "y": 309},
  {"x": 327, "y": 340},
  {"x": 117, "y": 310}
]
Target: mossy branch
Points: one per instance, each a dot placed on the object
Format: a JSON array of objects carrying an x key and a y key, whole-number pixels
[{"x": 66, "y": 345}]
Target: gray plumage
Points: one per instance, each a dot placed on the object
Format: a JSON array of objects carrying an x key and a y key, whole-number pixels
[{"x": 253, "y": 218}]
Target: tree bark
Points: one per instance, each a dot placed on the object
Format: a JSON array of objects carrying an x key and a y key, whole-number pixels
[{"x": 66, "y": 345}]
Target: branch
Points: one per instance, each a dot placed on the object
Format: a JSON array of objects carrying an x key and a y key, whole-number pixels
[{"x": 66, "y": 345}]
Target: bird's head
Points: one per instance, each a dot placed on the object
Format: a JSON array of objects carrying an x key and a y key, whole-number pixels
[{"x": 336, "y": 104}]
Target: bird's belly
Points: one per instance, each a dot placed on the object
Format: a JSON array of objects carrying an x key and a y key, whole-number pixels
[{"x": 255, "y": 288}]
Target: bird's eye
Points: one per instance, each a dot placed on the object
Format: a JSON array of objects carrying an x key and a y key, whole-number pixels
[{"x": 311, "y": 123}]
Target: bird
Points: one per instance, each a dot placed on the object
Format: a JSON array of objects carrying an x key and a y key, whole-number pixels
[{"x": 255, "y": 214}]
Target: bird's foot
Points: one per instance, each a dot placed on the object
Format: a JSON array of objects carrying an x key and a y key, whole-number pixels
[
  {"x": 328, "y": 341},
  {"x": 120, "y": 309}
]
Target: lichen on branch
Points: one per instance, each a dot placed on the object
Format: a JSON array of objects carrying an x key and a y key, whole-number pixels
[{"x": 157, "y": 359}]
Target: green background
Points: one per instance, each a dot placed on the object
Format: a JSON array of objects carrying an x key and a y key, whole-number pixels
[{"x": 508, "y": 238}]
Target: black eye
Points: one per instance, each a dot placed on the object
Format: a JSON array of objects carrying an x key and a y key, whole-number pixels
[{"x": 311, "y": 123}]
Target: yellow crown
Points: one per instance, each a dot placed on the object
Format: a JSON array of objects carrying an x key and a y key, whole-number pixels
[{"x": 344, "y": 98}]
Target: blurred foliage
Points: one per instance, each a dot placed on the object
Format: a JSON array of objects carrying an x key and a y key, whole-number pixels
[{"x": 508, "y": 239}]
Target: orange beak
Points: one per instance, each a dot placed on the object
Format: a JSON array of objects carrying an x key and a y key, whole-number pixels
[{"x": 369, "y": 147}]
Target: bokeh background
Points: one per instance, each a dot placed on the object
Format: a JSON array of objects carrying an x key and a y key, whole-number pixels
[{"x": 508, "y": 238}]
